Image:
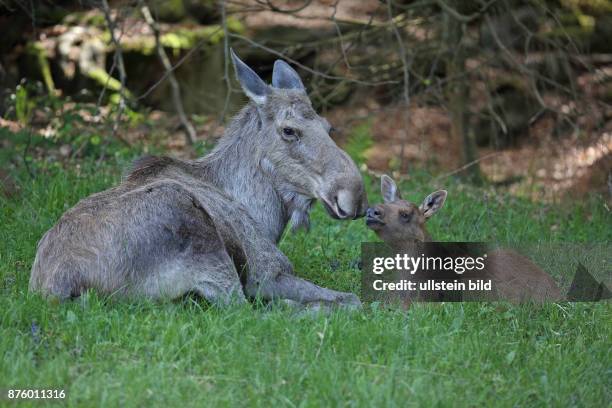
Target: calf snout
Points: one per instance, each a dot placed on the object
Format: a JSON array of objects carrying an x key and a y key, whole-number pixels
[
  {"x": 374, "y": 216},
  {"x": 373, "y": 213}
]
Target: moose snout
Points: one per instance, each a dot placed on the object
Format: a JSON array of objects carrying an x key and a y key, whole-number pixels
[
  {"x": 341, "y": 205},
  {"x": 351, "y": 204},
  {"x": 345, "y": 204},
  {"x": 342, "y": 191}
]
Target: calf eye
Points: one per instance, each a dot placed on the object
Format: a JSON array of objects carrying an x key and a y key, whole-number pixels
[{"x": 405, "y": 216}]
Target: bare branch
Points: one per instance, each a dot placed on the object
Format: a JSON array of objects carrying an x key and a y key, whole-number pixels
[
  {"x": 287, "y": 11},
  {"x": 466, "y": 166},
  {"x": 308, "y": 69},
  {"x": 406, "y": 80},
  {"x": 190, "y": 132},
  {"x": 180, "y": 62},
  {"x": 461, "y": 17},
  {"x": 339, "y": 32},
  {"x": 531, "y": 75},
  {"x": 120, "y": 65},
  {"x": 226, "y": 59},
  {"x": 402, "y": 52}
]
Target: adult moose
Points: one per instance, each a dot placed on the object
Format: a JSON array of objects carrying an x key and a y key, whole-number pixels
[{"x": 211, "y": 225}]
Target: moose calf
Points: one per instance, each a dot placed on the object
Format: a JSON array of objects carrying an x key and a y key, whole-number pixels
[{"x": 400, "y": 223}]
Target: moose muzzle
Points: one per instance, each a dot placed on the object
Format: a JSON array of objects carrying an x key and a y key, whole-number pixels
[{"x": 346, "y": 200}]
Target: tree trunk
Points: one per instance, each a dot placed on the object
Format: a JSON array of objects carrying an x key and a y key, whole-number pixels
[{"x": 458, "y": 96}]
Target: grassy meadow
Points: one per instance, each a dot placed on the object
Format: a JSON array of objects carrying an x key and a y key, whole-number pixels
[{"x": 186, "y": 353}]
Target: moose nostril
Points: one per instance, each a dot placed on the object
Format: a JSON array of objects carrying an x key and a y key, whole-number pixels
[
  {"x": 345, "y": 207},
  {"x": 376, "y": 212},
  {"x": 341, "y": 212}
]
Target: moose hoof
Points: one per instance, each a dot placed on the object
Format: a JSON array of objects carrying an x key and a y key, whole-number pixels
[{"x": 350, "y": 301}]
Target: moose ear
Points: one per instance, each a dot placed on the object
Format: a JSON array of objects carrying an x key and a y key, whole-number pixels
[
  {"x": 433, "y": 203},
  {"x": 285, "y": 77},
  {"x": 388, "y": 188},
  {"x": 252, "y": 85}
]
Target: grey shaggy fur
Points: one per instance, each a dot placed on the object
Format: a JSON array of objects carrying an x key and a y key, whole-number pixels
[{"x": 211, "y": 225}]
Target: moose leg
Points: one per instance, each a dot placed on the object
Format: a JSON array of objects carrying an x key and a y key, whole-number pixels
[
  {"x": 211, "y": 275},
  {"x": 216, "y": 279},
  {"x": 287, "y": 286},
  {"x": 180, "y": 248},
  {"x": 271, "y": 277},
  {"x": 270, "y": 274}
]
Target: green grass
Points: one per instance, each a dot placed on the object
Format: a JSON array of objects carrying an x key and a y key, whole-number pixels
[{"x": 185, "y": 353}]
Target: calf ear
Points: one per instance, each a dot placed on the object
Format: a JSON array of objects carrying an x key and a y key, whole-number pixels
[
  {"x": 252, "y": 85},
  {"x": 389, "y": 190},
  {"x": 433, "y": 203},
  {"x": 285, "y": 77}
]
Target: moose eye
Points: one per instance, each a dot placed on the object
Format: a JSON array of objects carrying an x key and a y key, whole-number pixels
[
  {"x": 290, "y": 134},
  {"x": 288, "y": 131}
]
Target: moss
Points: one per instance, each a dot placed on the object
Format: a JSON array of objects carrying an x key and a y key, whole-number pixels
[
  {"x": 103, "y": 78},
  {"x": 38, "y": 51},
  {"x": 186, "y": 38},
  {"x": 586, "y": 22},
  {"x": 576, "y": 33},
  {"x": 593, "y": 7},
  {"x": 106, "y": 37},
  {"x": 234, "y": 25},
  {"x": 182, "y": 38},
  {"x": 143, "y": 45},
  {"x": 168, "y": 10},
  {"x": 85, "y": 18}
]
